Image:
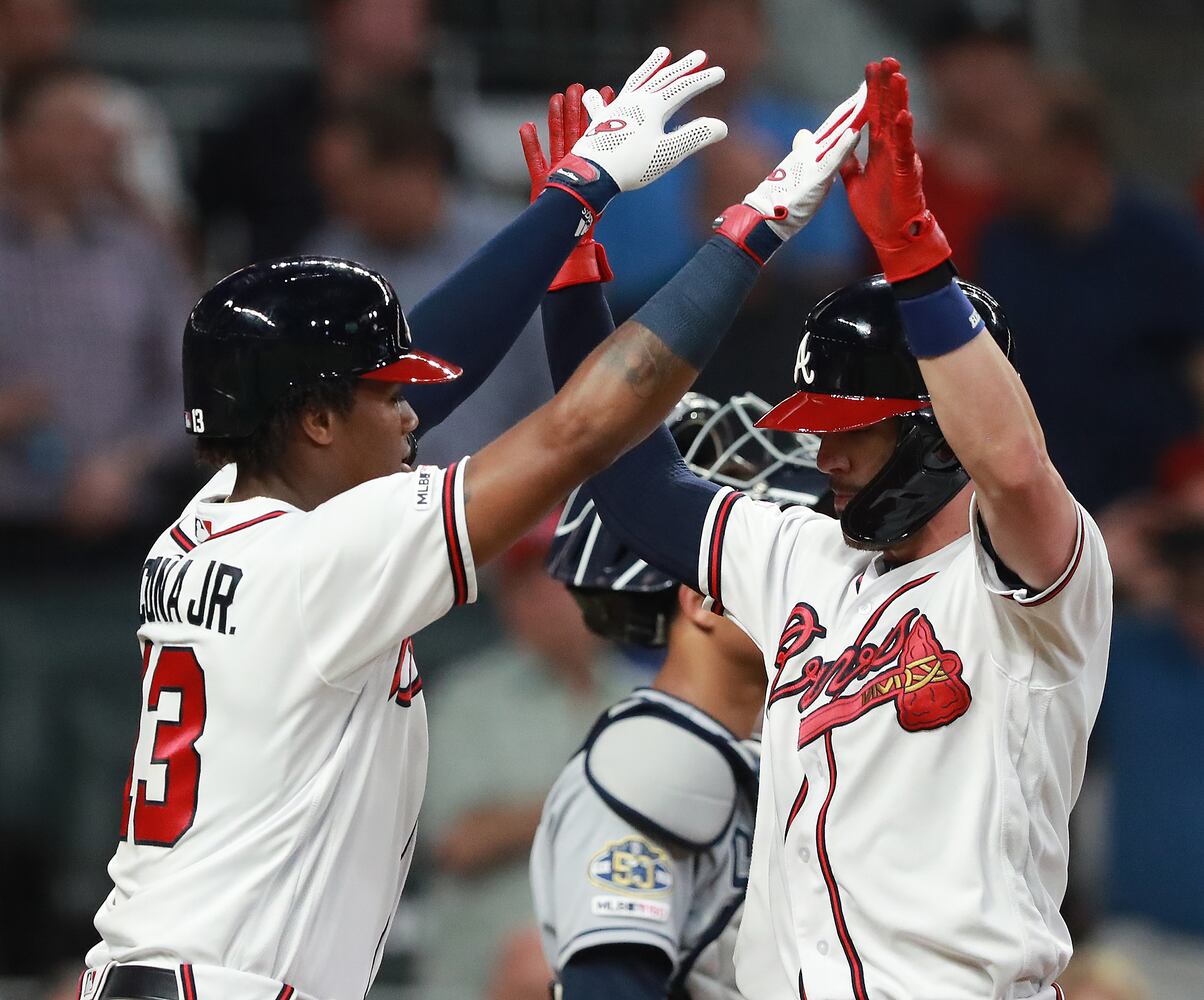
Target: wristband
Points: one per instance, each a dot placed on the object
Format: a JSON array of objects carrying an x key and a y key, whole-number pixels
[
  {"x": 940, "y": 321},
  {"x": 746, "y": 227},
  {"x": 585, "y": 181}
]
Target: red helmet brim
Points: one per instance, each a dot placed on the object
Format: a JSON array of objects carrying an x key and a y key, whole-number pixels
[
  {"x": 820, "y": 413},
  {"x": 416, "y": 367}
]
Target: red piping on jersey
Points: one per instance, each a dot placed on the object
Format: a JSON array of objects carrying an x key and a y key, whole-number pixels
[
  {"x": 186, "y": 973},
  {"x": 718, "y": 529},
  {"x": 247, "y": 524},
  {"x": 1058, "y": 991},
  {"x": 846, "y": 942},
  {"x": 802, "y": 990},
  {"x": 285, "y": 993},
  {"x": 181, "y": 539},
  {"x": 1074, "y": 565},
  {"x": 798, "y": 804},
  {"x": 455, "y": 554}
]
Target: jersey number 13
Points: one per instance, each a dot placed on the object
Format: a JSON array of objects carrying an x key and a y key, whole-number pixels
[{"x": 162, "y": 787}]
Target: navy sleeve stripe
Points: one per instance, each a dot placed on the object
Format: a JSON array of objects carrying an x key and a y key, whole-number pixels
[
  {"x": 1067, "y": 576},
  {"x": 718, "y": 530},
  {"x": 455, "y": 554},
  {"x": 181, "y": 539}
]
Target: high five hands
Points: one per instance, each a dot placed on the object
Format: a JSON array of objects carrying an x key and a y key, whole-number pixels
[{"x": 886, "y": 193}]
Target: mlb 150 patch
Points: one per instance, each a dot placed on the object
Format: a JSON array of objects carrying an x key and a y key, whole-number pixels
[{"x": 634, "y": 866}]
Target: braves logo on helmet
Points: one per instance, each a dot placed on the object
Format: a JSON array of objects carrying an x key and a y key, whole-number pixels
[
  {"x": 802, "y": 363},
  {"x": 610, "y": 125}
]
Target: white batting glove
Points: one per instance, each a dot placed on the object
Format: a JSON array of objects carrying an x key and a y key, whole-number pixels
[
  {"x": 626, "y": 146},
  {"x": 790, "y": 196}
]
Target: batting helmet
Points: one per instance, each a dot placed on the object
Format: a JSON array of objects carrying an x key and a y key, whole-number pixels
[
  {"x": 620, "y": 595},
  {"x": 289, "y": 323},
  {"x": 854, "y": 369}
]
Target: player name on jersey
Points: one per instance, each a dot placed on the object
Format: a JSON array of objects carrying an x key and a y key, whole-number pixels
[{"x": 199, "y": 592}]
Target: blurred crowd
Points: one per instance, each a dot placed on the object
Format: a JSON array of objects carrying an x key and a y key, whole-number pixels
[{"x": 110, "y": 224}]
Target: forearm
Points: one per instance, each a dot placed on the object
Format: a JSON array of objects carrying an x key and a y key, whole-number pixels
[
  {"x": 617, "y": 397},
  {"x": 648, "y": 497},
  {"x": 988, "y": 421},
  {"x": 474, "y": 317},
  {"x": 980, "y": 403},
  {"x": 657, "y": 354}
]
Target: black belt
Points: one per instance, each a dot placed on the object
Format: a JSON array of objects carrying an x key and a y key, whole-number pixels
[{"x": 140, "y": 982}]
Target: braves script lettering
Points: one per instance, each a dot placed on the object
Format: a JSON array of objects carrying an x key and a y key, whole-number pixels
[{"x": 912, "y": 670}]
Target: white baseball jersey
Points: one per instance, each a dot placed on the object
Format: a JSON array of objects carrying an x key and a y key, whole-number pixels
[
  {"x": 272, "y": 803},
  {"x": 924, "y": 741},
  {"x": 607, "y": 869}
]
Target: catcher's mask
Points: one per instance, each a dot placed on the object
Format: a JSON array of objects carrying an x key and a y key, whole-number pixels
[
  {"x": 621, "y": 596},
  {"x": 854, "y": 369}
]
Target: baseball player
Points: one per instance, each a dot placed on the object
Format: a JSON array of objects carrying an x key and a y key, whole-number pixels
[
  {"x": 271, "y": 807},
  {"x": 640, "y": 862},
  {"x": 935, "y": 658}
]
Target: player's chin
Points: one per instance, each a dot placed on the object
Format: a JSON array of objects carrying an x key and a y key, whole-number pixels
[{"x": 863, "y": 546}]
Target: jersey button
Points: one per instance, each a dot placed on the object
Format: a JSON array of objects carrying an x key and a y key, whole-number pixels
[
  {"x": 822, "y": 947},
  {"x": 804, "y": 854}
]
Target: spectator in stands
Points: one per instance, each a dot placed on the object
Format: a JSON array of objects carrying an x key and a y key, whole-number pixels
[
  {"x": 256, "y": 174},
  {"x": 1100, "y": 284},
  {"x": 33, "y": 32},
  {"x": 93, "y": 300},
  {"x": 36, "y": 33},
  {"x": 651, "y": 234},
  {"x": 387, "y": 172},
  {"x": 502, "y": 727},
  {"x": 520, "y": 971},
  {"x": 982, "y": 79},
  {"x": 1150, "y": 734}
]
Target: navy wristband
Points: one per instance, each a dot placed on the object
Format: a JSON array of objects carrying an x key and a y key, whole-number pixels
[
  {"x": 694, "y": 310},
  {"x": 939, "y": 322}
]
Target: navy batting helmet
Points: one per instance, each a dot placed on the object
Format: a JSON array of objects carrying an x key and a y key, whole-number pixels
[
  {"x": 290, "y": 323},
  {"x": 620, "y": 595},
  {"x": 854, "y": 369}
]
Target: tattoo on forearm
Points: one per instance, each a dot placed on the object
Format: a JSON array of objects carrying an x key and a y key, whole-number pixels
[{"x": 644, "y": 359}]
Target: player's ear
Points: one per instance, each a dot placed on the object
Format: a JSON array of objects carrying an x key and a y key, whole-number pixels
[
  {"x": 690, "y": 603},
  {"x": 317, "y": 424}
]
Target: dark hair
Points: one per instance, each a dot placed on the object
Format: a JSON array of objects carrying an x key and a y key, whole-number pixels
[
  {"x": 398, "y": 123},
  {"x": 263, "y": 450},
  {"x": 25, "y": 86},
  {"x": 948, "y": 25}
]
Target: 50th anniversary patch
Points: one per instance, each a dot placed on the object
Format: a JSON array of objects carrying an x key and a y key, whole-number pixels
[{"x": 632, "y": 866}]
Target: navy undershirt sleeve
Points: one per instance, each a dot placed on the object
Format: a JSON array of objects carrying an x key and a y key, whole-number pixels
[
  {"x": 649, "y": 498},
  {"x": 474, "y": 317},
  {"x": 616, "y": 972}
]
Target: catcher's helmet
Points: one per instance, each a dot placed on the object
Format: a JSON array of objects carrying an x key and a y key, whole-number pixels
[
  {"x": 287, "y": 323},
  {"x": 854, "y": 369},
  {"x": 620, "y": 595}
]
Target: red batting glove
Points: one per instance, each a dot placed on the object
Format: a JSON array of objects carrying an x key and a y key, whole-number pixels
[
  {"x": 567, "y": 122},
  {"x": 887, "y": 195}
]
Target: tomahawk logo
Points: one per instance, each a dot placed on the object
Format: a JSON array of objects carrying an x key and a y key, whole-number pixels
[
  {"x": 610, "y": 125},
  {"x": 802, "y": 363}
]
